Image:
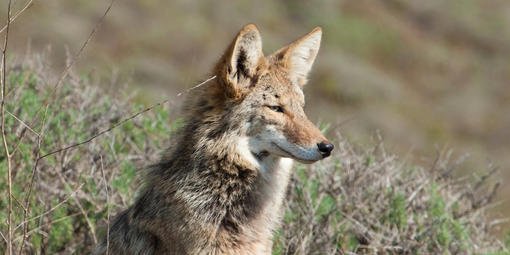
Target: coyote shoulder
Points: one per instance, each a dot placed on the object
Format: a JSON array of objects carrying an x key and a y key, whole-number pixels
[{"x": 220, "y": 187}]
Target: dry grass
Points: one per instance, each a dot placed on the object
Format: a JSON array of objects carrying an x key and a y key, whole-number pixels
[{"x": 366, "y": 201}]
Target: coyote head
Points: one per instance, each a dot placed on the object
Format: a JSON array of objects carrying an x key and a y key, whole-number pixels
[{"x": 260, "y": 99}]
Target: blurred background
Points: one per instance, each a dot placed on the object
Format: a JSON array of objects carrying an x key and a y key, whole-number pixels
[{"x": 428, "y": 75}]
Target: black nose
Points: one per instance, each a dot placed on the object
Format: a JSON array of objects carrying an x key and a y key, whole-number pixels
[{"x": 325, "y": 149}]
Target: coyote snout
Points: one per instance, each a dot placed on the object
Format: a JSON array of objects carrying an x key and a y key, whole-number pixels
[
  {"x": 325, "y": 148},
  {"x": 300, "y": 140},
  {"x": 220, "y": 187}
]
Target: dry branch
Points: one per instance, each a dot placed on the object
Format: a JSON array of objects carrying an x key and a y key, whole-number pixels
[
  {"x": 27, "y": 5},
  {"x": 107, "y": 207},
  {"x": 6, "y": 147}
]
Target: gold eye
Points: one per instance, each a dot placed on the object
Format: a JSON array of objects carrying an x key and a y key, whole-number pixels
[{"x": 276, "y": 108}]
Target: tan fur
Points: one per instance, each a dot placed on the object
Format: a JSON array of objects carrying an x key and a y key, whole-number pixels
[{"x": 220, "y": 188}]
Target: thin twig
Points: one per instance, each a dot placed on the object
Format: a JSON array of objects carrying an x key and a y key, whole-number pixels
[
  {"x": 411, "y": 197},
  {"x": 28, "y": 5},
  {"x": 51, "y": 209},
  {"x": 53, "y": 222},
  {"x": 22, "y": 135},
  {"x": 107, "y": 206},
  {"x": 3, "y": 237},
  {"x": 92, "y": 229},
  {"x": 27, "y": 199},
  {"x": 6, "y": 147},
  {"x": 17, "y": 201},
  {"x": 22, "y": 122},
  {"x": 83, "y": 212},
  {"x": 197, "y": 86}
]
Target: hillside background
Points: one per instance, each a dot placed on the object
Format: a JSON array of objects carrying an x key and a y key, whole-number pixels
[{"x": 427, "y": 75}]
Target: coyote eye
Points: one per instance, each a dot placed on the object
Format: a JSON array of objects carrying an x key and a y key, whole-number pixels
[{"x": 276, "y": 108}]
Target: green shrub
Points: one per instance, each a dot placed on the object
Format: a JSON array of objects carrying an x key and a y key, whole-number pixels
[{"x": 69, "y": 190}]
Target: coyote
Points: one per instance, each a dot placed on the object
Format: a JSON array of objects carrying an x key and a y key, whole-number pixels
[{"x": 220, "y": 187}]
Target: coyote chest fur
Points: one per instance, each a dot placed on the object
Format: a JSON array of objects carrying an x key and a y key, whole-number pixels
[{"x": 220, "y": 187}]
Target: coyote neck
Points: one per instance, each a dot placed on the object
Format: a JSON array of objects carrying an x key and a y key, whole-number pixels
[{"x": 226, "y": 196}]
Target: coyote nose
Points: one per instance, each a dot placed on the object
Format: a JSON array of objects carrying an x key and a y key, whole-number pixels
[{"x": 325, "y": 148}]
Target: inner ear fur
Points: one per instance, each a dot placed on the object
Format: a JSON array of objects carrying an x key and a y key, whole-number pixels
[
  {"x": 237, "y": 69},
  {"x": 298, "y": 57}
]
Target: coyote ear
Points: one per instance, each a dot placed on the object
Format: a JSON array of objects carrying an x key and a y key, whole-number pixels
[
  {"x": 299, "y": 56},
  {"x": 238, "y": 66}
]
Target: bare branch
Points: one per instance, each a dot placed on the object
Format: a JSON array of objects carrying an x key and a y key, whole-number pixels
[
  {"x": 27, "y": 199},
  {"x": 6, "y": 147},
  {"x": 107, "y": 207},
  {"x": 22, "y": 122},
  {"x": 197, "y": 86},
  {"x": 3, "y": 237},
  {"x": 27, "y": 5},
  {"x": 51, "y": 209},
  {"x": 52, "y": 222}
]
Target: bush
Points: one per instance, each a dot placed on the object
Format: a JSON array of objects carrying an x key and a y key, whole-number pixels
[
  {"x": 358, "y": 201},
  {"x": 370, "y": 202},
  {"x": 69, "y": 200}
]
